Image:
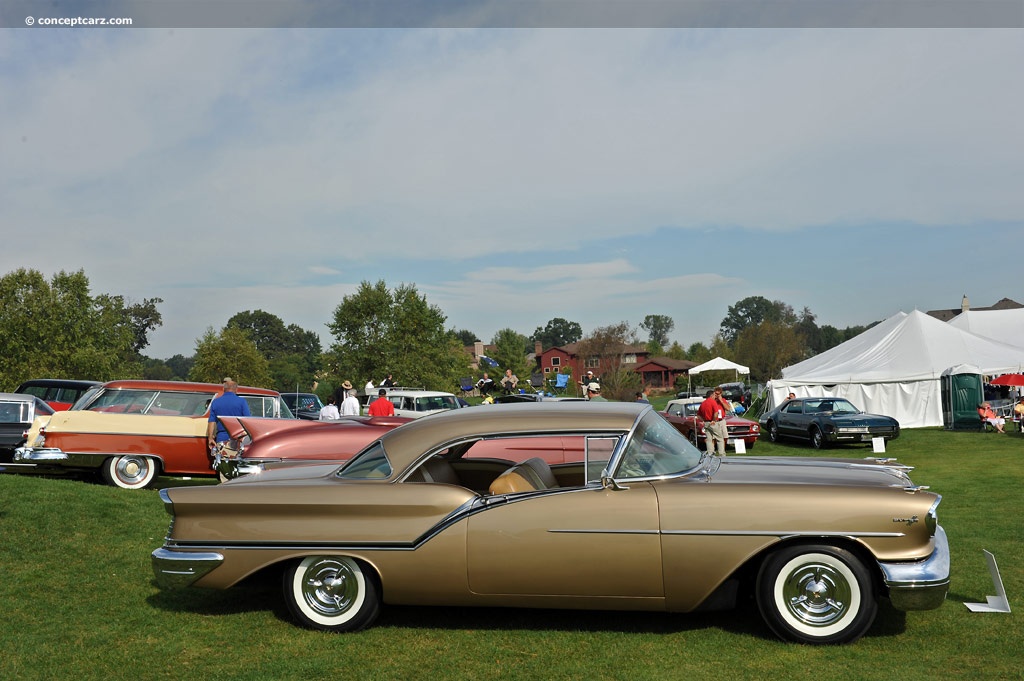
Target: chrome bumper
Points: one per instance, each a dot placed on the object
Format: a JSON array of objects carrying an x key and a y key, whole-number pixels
[
  {"x": 33, "y": 455},
  {"x": 178, "y": 569},
  {"x": 232, "y": 467},
  {"x": 922, "y": 585}
]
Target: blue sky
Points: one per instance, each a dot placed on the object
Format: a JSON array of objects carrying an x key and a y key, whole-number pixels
[{"x": 515, "y": 176}]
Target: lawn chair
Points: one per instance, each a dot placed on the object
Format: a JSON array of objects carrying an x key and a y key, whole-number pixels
[
  {"x": 466, "y": 385},
  {"x": 537, "y": 383},
  {"x": 561, "y": 382}
]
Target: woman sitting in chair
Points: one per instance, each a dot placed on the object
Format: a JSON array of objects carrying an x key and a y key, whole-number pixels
[{"x": 989, "y": 416}]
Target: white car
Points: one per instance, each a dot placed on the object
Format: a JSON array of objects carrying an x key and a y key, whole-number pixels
[{"x": 415, "y": 402}]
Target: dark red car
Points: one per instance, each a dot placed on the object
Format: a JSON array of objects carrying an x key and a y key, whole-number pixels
[
  {"x": 258, "y": 444},
  {"x": 683, "y": 415}
]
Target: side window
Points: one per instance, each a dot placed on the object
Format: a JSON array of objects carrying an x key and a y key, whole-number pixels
[{"x": 36, "y": 390}]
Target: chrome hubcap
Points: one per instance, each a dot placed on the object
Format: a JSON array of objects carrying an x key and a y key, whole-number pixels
[
  {"x": 330, "y": 587},
  {"x": 817, "y": 594}
]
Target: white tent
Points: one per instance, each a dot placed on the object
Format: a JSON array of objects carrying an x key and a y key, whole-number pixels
[
  {"x": 719, "y": 364},
  {"x": 1005, "y": 326},
  {"x": 894, "y": 368}
]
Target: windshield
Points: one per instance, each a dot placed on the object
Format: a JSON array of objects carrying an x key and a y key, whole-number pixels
[
  {"x": 370, "y": 464},
  {"x": 656, "y": 448},
  {"x": 831, "y": 404}
]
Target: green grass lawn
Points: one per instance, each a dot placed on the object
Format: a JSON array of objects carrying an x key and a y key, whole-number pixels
[{"x": 78, "y": 602}]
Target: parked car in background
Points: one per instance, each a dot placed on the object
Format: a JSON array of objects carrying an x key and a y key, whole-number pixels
[
  {"x": 17, "y": 411},
  {"x": 132, "y": 431},
  {"x": 261, "y": 444},
  {"x": 59, "y": 393},
  {"x": 824, "y": 421},
  {"x": 683, "y": 414},
  {"x": 416, "y": 403},
  {"x": 518, "y": 398},
  {"x": 643, "y": 522},
  {"x": 304, "y": 405}
]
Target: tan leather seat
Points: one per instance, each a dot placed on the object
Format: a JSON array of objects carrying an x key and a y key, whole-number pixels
[
  {"x": 528, "y": 476},
  {"x": 438, "y": 470}
]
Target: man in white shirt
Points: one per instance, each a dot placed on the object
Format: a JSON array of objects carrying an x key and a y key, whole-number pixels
[
  {"x": 350, "y": 405},
  {"x": 330, "y": 411}
]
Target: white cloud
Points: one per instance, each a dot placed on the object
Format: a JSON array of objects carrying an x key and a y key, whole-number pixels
[{"x": 230, "y": 170}]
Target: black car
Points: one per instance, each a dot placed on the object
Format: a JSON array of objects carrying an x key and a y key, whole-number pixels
[
  {"x": 824, "y": 421},
  {"x": 304, "y": 405},
  {"x": 59, "y": 393},
  {"x": 17, "y": 411}
]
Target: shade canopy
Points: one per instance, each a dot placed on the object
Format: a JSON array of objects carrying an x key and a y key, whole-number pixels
[{"x": 719, "y": 364}]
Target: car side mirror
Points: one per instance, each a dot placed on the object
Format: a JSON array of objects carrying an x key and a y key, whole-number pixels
[{"x": 608, "y": 482}]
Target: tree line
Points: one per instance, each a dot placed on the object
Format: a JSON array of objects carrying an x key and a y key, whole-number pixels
[{"x": 59, "y": 328}]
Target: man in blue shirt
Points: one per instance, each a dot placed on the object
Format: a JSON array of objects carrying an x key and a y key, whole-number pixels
[{"x": 228, "y": 404}]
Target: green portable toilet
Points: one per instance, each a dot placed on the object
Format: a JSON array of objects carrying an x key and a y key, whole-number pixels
[{"x": 962, "y": 392}]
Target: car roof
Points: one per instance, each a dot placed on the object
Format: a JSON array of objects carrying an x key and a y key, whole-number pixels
[
  {"x": 17, "y": 397},
  {"x": 406, "y": 392},
  {"x": 404, "y": 445},
  {"x": 57, "y": 383},
  {"x": 182, "y": 386},
  {"x": 685, "y": 400}
]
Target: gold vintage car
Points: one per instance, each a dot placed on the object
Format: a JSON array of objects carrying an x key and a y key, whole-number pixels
[{"x": 643, "y": 522}]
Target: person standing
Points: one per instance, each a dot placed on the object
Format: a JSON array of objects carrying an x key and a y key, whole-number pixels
[
  {"x": 713, "y": 411},
  {"x": 594, "y": 392},
  {"x": 382, "y": 405},
  {"x": 350, "y": 405},
  {"x": 330, "y": 411},
  {"x": 228, "y": 404},
  {"x": 388, "y": 382}
]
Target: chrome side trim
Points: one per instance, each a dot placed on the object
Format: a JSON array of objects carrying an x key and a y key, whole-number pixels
[
  {"x": 176, "y": 570},
  {"x": 782, "y": 534},
  {"x": 921, "y": 585}
]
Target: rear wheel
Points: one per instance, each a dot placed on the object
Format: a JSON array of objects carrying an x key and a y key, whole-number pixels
[
  {"x": 131, "y": 471},
  {"x": 816, "y": 594},
  {"x": 331, "y": 593}
]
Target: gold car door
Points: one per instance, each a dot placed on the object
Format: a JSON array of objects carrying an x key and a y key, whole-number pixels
[{"x": 568, "y": 542}]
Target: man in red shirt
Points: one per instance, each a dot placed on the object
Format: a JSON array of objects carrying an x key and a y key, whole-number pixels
[
  {"x": 382, "y": 405},
  {"x": 713, "y": 411}
]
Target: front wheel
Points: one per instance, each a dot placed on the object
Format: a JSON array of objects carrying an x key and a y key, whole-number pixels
[
  {"x": 773, "y": 431},
  {"x": 331, "y": 593},
  {"x": 131, "y": 471},
  {"x": 817, "y": 438},
  {"x": 816, "y": 594}
]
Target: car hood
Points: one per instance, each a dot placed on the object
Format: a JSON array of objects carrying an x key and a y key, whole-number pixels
[
  {"x": 811, "y": 471},
  {"x": 859, "y": 419}
]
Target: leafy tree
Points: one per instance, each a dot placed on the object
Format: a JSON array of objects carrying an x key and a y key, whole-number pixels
[
  {"x": 181, "y": 366},
  {"x": 265, "y": 330},
  {"x": 379, "y": 331},
  {"x": 229, "y": 353},
  {"x": 608, "y": 345},
  {"x": 156, "y": 370},
  {"x": 293, "y": 353},
  {"x": 557, "y": 332},
  {"x": 510, "y": 352},
  {"x": 676, "y": 351},
  {"x": 144, "y": 317},
  {"x": 57, "y": 328},
  {"x": 752, "y": 311},
  {"x": 698, "y": 352},
  {"x": 466, "y": 337},
  {"x": 768, "y": 347},
  {"x": 658, "y": 327}
]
